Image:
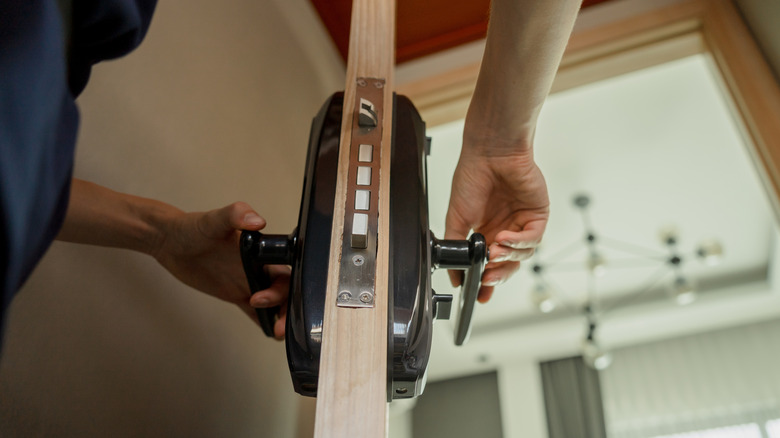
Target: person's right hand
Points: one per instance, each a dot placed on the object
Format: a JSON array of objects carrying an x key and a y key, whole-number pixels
[
  {"x": 504, "y": 197},
  {"x": 201, "y": 249}
]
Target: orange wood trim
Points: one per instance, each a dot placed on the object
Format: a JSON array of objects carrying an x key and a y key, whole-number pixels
[
  {"x": 420, "y": 48},
  {"x": 335, "y": 15},
  {"x": 413, "y": 44}
]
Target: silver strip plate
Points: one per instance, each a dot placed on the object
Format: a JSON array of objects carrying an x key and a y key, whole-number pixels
[{"x": 357, "y": 272}]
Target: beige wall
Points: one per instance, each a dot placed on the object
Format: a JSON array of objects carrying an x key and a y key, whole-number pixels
[{"x": 214, "y": 107}]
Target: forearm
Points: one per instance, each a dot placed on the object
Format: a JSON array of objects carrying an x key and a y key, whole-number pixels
[
  {"x": 525, "y": 43},
  {"x": 99, "y": 216}
]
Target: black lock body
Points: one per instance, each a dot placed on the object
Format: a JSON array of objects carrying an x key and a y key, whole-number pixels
[{"x": 414, "y": 253}]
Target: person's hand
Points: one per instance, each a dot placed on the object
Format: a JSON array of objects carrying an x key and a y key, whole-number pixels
[
  {"x": 504, "y": 197},
  {"x": 201, "y": 250}
]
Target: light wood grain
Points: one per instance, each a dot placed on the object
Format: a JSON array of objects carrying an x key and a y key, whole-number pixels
[{"x": 352, "y": 391}]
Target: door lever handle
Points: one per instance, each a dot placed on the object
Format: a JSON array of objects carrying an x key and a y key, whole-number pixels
[
  {"x": 258, "y": 250},
  {"x": 471, "y": 256}
]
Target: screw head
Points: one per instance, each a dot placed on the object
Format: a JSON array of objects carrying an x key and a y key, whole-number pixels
[
  {"x": 345, "y": 295},
  {"x": 358, "y": 260},
  {"x": 366, "y": 297},
  {"x": 361, "y": 83}
]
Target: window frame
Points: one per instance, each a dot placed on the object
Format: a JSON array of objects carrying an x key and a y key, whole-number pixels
[{"x": 613, "y": 47}]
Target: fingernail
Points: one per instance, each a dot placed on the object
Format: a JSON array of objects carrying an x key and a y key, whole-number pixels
[
  {"x": 508, "y": 243},
  {"x": 253, "y": 219},
  {"x": 491, "y": 282},
  {"x": 501, "y": 258},
  {"x": 261, "y": 302}
]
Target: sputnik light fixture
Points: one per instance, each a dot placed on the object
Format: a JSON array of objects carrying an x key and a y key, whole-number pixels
[{"x": 682, "y": 288}]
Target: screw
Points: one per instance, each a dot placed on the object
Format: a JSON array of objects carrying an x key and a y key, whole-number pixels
[
  {"x": 366, "y": 297},
  {"x": 361, "y": 83},
  {"x": 345, "y": 296},
  {"x": 358, "y": 260},
  {"x": 379, "y": 84}
]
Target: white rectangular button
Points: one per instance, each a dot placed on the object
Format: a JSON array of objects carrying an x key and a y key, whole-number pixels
[
  {"x": 364, "y": 176},
  {"x": 366, "y": 153},
  {"x": 359, "y": 230},
  {"x": 362, "y": 199}
]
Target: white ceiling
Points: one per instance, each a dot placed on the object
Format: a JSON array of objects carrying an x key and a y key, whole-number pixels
[{"x": 652, "y": 148}]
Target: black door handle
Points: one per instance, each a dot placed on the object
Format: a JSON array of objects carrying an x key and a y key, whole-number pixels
[
  {"x": 471, "y": 256},
  {"x": 258, "y": 250}
]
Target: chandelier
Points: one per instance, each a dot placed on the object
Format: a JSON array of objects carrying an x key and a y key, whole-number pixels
[{"x": 681, "y": 288}]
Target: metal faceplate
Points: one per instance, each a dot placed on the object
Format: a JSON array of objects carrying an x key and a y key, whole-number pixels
[
  {"x": 361, "y": 211},
  {"x": 410, "y": 312}
]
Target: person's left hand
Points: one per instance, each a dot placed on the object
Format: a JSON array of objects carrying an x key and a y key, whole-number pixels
[{"x": 201, "y": 250}]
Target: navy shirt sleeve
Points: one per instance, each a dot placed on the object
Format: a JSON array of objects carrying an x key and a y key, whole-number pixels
[
  {"x": 105, "y": 30},
  {"x": 39, "y": 118}
]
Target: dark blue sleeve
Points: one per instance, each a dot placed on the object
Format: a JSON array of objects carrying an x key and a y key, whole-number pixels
[
  {"x": 104, "y": 29},
  {"x": 39, "y": 118}
]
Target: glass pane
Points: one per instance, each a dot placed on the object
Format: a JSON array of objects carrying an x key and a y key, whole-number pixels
[
  {"x": 740, "y": 431},
  {"x": 773, "y": 428}
]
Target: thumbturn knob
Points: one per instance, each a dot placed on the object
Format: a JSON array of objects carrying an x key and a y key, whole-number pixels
[{"x": 367, "y": 114}]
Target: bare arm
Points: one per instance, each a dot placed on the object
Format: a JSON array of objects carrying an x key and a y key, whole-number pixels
[
  {"x": 100, "y": 216},
  {"x": 497, "y": 189},
  {"x": 525, "y": 43},
  {"x": 200, "y": 249}
]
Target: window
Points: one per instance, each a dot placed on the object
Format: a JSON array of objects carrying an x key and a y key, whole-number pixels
[
  {"x": 773, "y": 428},
  {"x": 751, "y": 430}
]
